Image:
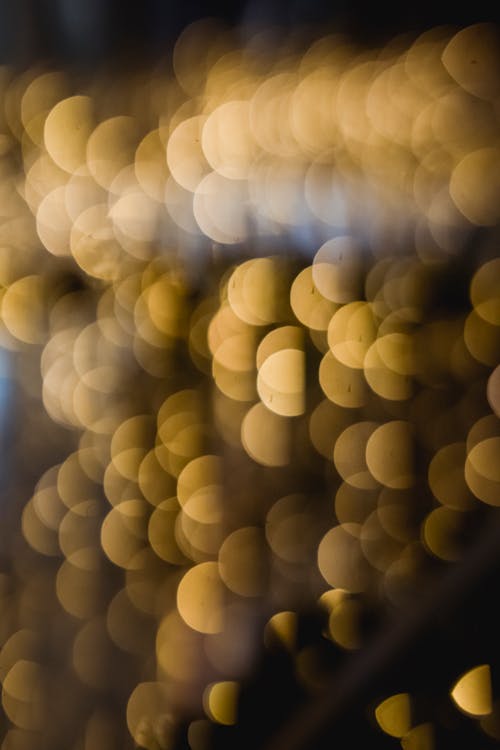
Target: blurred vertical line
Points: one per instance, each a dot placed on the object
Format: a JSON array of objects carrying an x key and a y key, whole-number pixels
[
  {"x": 6, "y": 394},
  {"x": 5, "y": 376}
]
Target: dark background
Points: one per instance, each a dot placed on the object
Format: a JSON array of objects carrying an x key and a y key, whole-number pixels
[{"x": 90, "y": 32}]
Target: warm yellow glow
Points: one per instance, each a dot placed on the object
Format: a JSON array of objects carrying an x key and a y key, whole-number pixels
[
  {"x": 389, "y": 454},
  {"x": 129, "y": 445},
  {"x": 243, "y": 562},
  {"x": 381, "y": 376},
  {"x": 150, "y": 166},
  {"x": 146, "y": 703},
  {"x": 420, "y": 737},
  {"x": 280, "y": 382},
  {"x": 79, "y": 527},
  {"x": 350, "y": 455},
  {"x": 343, "y": 385},
  {"x": 53, "y": 222},
  {"x": 67, "y": 130},
  {"x": 178, "y": 649},
  {"x": 227, "y": 141},
  {"x": 200, "y": 598},
  {"x": 351, "y": 331},
  {"x": 282, "y": 627},
  {"x": 310, "y": 307},
  {"x": 123, "y": 532},
  {"x": 441, "y": 532},
  {"x": 42, "y": 93},
  {"x": 274, "y": 449},
  {"x": 475, "y": 186},
  {"x": 253, "y": 291},
  {"x": 472, "y": 57},
  {"x": 344, "y": 621},
  {"x": 472, "y": 692},
  {"x": 22, "y": 695},
  {"x": 93, "y": 244},
  {"x": 220, "y": 701},
  {"x": 284, "y": 337},
  {"x": 337, "y": 270},
  {"x": 493, "y": 390},
  {"x": 485, "y": 291},
  {"x": 394, "y": 715},
  {"x": 219, "y": 207},
  {"x": 326, "y": 423},
  {"x": 446, "y": 477},
  {"x": 482, "y": 470},
  {"x": 201, "y": 473},
  {"x": 185, "y": 158},
  {"x": 341, "y": 560},
  {"x": 161, "y": 531},
  {"x": 110, "y": 148},
  {"x": 22, "y": 309}
]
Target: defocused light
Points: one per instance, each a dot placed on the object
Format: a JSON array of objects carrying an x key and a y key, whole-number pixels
[
  {"x": 200, "y": 598},
  {"x": 220, "y": 702},
  {"x": 394, "y": 715},
  {"x": 67, "y": 130},
  {"x": 239, "y": 290},
  {"x": 472, "y": 692}
]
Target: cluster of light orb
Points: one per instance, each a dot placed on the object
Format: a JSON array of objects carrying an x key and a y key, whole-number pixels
[{"x": 199, "y": 382}]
